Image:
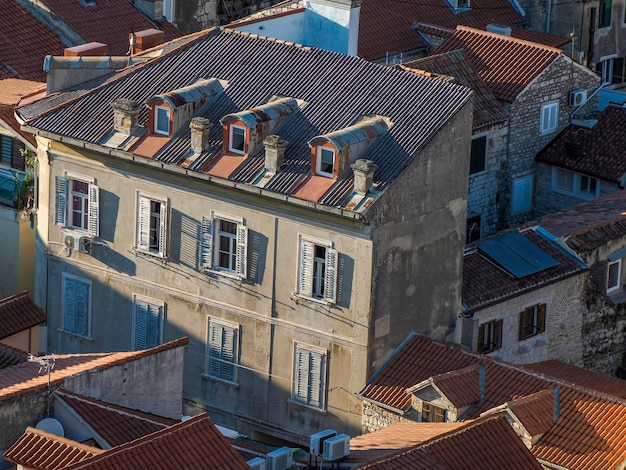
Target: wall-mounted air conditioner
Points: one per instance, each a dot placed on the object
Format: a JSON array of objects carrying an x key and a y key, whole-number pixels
[
  {"x": 257, "y": 463},
  {"x": 336, "y": 447},
  {"x": 279, "y": 459},
  {"x": 317, "y": 441},
  {"x": 74, "y": 242},
  {"x": 577, "y": 97}
]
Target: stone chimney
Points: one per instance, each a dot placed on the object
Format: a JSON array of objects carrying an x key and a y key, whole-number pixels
[
  {"x": 274, "y": 152},
  {"x": 363, "y": 175},
  {"x": 125, "y": 115},
  {"x": 200, "y": 128}
]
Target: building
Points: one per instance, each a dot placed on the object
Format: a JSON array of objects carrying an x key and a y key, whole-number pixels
[
  {"x": 292, "y": 230},
  {"x": 21, "y": 324}
]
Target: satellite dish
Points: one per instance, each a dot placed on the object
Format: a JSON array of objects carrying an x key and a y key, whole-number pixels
[{"x": 52, "y": 426}]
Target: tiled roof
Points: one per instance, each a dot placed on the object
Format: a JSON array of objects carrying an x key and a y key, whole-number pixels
[
  {"x": 19, "y": 312},
  {"x": 598, "y": 151},
  {"x": 40, "y": 450},
  {"x": 591, "y": 224},
  {"x": 10, "y": 356},
  {"x": 115, "y": 424},
  {"x": 487, "y": 443},
  {"x": 535, "y": 411},
  {"x": 108, "y": 22},
  {"x": 484, "y": 282},
  {"x": 338, "y": 91},
  {"x": 25, "y": 376},
  {"x": 487, "y": 109},
  {"x": 194, "y": 443},
  {"x": 506, "y": 64},
  {"x": 12, "y": 89},
  {"x": 461, "y": 386},
  {"x": 24, "y": 42},
  {"x": 386, "y": 26}
]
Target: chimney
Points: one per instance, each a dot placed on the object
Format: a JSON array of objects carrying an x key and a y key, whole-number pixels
[
  {"x": 274, "y": 152},
  {"x": 125, "y": 115},
  {"x": 200, "y": 128},
  {"x": 363, "y": 175},
  {"x": 88, "y": 49},
  {"x": 144, "y": 40}
]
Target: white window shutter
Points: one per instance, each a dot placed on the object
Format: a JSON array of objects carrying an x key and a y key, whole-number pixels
[
  {"x": 163, "y": 229},
  {"x": 315, "y": 379},
  {"x": 242, "y": 250},
  {"x": 229, "y": 337},
  {"x": 60, "y": 201},
  {"x": 141, "y": 324},
  {"x": 94, "y": 224},
  {"x": 206, "y": 244},
  {"x": 69, "y": 313},
  {"x": 143, "y": 224},
  {"x": 215, "y": 350},
  {"x": 307, "y": 251},
  {"x": 301, "y": 375},
  {"x": 330, "y": 282}
]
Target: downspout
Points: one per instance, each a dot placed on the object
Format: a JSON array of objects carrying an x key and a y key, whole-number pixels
[
  {"x": 548, "y": 15},
  {"x": 592, "y": 32}
]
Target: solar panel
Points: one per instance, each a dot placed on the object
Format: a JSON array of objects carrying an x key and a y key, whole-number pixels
[{"x": 516, "y": 254}]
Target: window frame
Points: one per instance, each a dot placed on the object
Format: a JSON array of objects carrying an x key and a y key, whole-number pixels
[
  {"x": 516, "y": 206},
  {"x": 142, "y": 232},
  {"x": 549, "y": 117},
  {"x": 473, "y": 158},
  {"x": 434, "y": 410},
  {"x": 470, "y": 229},
  {"x": 160, "y": 315},
  {"x": 532, "y": 318},
  {"x": 234, "y": 353},
  {"x": 575, "y": 188},
  {"x": 157, "y": 129},
  {"x": 618, "y": 277},
  {"x": 604, "y": 13},
  {"x": 63, "y": 215},
  {"x": 231, "y": 133},
  {"x": 87, "y": 284},
  {"x": 306, "y": 270},
  {"x": 210, "y": 246},
  {"x": 312, "y": 397},
  {"x": 493, "y": 328},
  {"x": 320, "y": 149}
]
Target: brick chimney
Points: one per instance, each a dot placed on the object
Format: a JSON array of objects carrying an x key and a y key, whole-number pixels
[
  {"x": 88, "y": 49},
  {"x": 363, "y": 175},
  {"x": 200, "y": 128},
  {"x": 125, "y": 115},
  {"x": 274, "y": 152},
  {"x": 144, "y": 40}
]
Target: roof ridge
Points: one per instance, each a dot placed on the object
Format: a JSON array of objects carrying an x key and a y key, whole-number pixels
[
  {"x": 265, "y": 38},
  {"x": 13, "y": 298},
  {"x": 502, "y": 37},
  {"x": 64, "y": 440}
]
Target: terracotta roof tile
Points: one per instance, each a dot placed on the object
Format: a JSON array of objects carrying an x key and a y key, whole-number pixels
[
  {"x": 12, "y": 89},
  {"x": 194, "y": 443},
  {"x": 10, "y": 356},
  {"x": 386, "y": 26},
  {"x": 115, "y": 424},
  {"x": 41, "y": 450},
  {"x": 506, "y": 64},
  {"x": 535, "y": 411},
  {"x": 19, "y": 312},
  {"x": 598, "y": 151},
  {"x": 461, "y": 386}
]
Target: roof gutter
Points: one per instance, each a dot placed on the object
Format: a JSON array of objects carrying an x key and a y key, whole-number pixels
[{"x": 551, "y": 465}]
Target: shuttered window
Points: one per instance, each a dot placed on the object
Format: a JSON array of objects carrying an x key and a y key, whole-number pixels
[
  {"x": 490, "y": 336},
  {"x": 522, "y": 194},
  {"x": 532, "y": 321},
  {"x": 309, "y": 377},
  {"x": 223, "y": 246},
  {"x": 83, "y": 213},
  {"x": 76, "y": 305},
  {"x": 433, "y": 414},
  {"x": 222, "y": 350},
  {"x": 151, "y": 225},
  {"x": 549, "y": 117},
  {"x": 148, "y": 318},
  {"x": 317, "y": 271}
]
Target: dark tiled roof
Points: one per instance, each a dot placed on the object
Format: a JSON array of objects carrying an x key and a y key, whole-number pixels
[
  {"x": 115, "y": 424},
  {"x": 487, "y": 109},
  {"x": 108, "y": 22},
  {"x": 19, "y": 312},
  {"x": 24, "y": 42},
  {"x": 41, "y": 450},
  {"x": 598, "y": 151},
  {"x": 484, "y": 282},
  {"x": 11, "y": 356},
  {"x": 386, "y": 26},
  {"x": 337, "y": 89},
  {"x": 591, "y": 224},
  {"x": 506, "y": 64},
  {"x": 488, "y": 443},
  {"x": 195, "y": 443}
]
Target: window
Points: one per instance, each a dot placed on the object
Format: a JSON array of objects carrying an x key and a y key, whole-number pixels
[
  {"x": 522, "y": 194},
  {"x": 317, "y": 271},
  {"x": 229, "y": 253},
  {"x": 574, "y": 184},
  {"x": 604, "y": 14},
  {"x": 611, "y": 70},
  {"x": 237, "y": 139},
  {"x": 309, "y": 376},
  {"x": 432, "y": 413},
  {"x": 82, "y": 213},
  {"x": 76, "y": 305},
  {"x": 478, "y": 155},
  {"x": 490, "y": 336},
  {"x": 222, "y": 350},
  {"x": 532, "y": 321},
  {"x": 549, "y": 117},
  {"x": 147, "y": 323},
  {"x": 161, "y": 120},
  {"x": 151, "y": 225},
  {"x": 472, "y": 229},
  {"x": 326, "y": 162},
  {"x": 613, "y": 275}
]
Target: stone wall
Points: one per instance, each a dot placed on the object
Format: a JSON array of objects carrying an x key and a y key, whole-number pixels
[{"x": 376, "y": 417}]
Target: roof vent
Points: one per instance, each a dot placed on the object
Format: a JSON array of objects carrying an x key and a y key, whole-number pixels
[
  {"x": 363, "y": 175},
  {"x": 200, "y": 128},
  {"x": 125, "y": 115},
  {"x": 274, "y": 152},
  {"x": 499, "y": 29}
]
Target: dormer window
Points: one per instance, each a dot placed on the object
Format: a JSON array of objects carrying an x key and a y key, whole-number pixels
[
  {"x": 237, "y": 139},
  {"x": 326, "y": 162},
  {"x": 161, "y": 120}
]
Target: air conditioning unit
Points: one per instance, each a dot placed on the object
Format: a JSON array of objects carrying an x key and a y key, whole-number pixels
[
  {"x": 279, "y": 459},
  {"x": 336, "y": 447},
  {"x": 74, "y": 242},
  {"x": 577, "y": 97},
  {"x": 317, "y": 441},
  {"x": 257, "y": 463}
]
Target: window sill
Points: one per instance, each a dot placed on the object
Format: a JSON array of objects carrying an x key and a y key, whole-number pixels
[
  {"x": 617, "y": 296},
  {"x": 149, "y": 254},
  {"x": 75, "y": 335},
  {"x": 299, "y": 404},
  {"x": 577, "y": 195},
  {"x": 299, "y": 297},
  {"x": 214, "y": 273},
  {"x": 206, "y": 376}
]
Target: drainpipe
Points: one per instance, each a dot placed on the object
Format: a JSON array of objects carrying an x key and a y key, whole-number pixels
[
  {"x": 548, "y": 14},
  {"x": 592, "y": 32}
]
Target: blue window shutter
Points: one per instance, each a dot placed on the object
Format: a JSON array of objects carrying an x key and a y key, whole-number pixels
[
  {"x": 69, "y": 307},
  {"x": 82, "y": 308},
  {"x": 141, "y": 324},
  {"x": 153, "y": 334},
  {"x": 60, "y": 201},
  {"x": 215, "y": 350}
]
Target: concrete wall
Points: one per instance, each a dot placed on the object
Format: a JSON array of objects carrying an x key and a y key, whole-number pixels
[
  {"x": 332, "y": 26},
  {"x": 288, "y": 28},
  {"x": 17, "y": 256}
]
